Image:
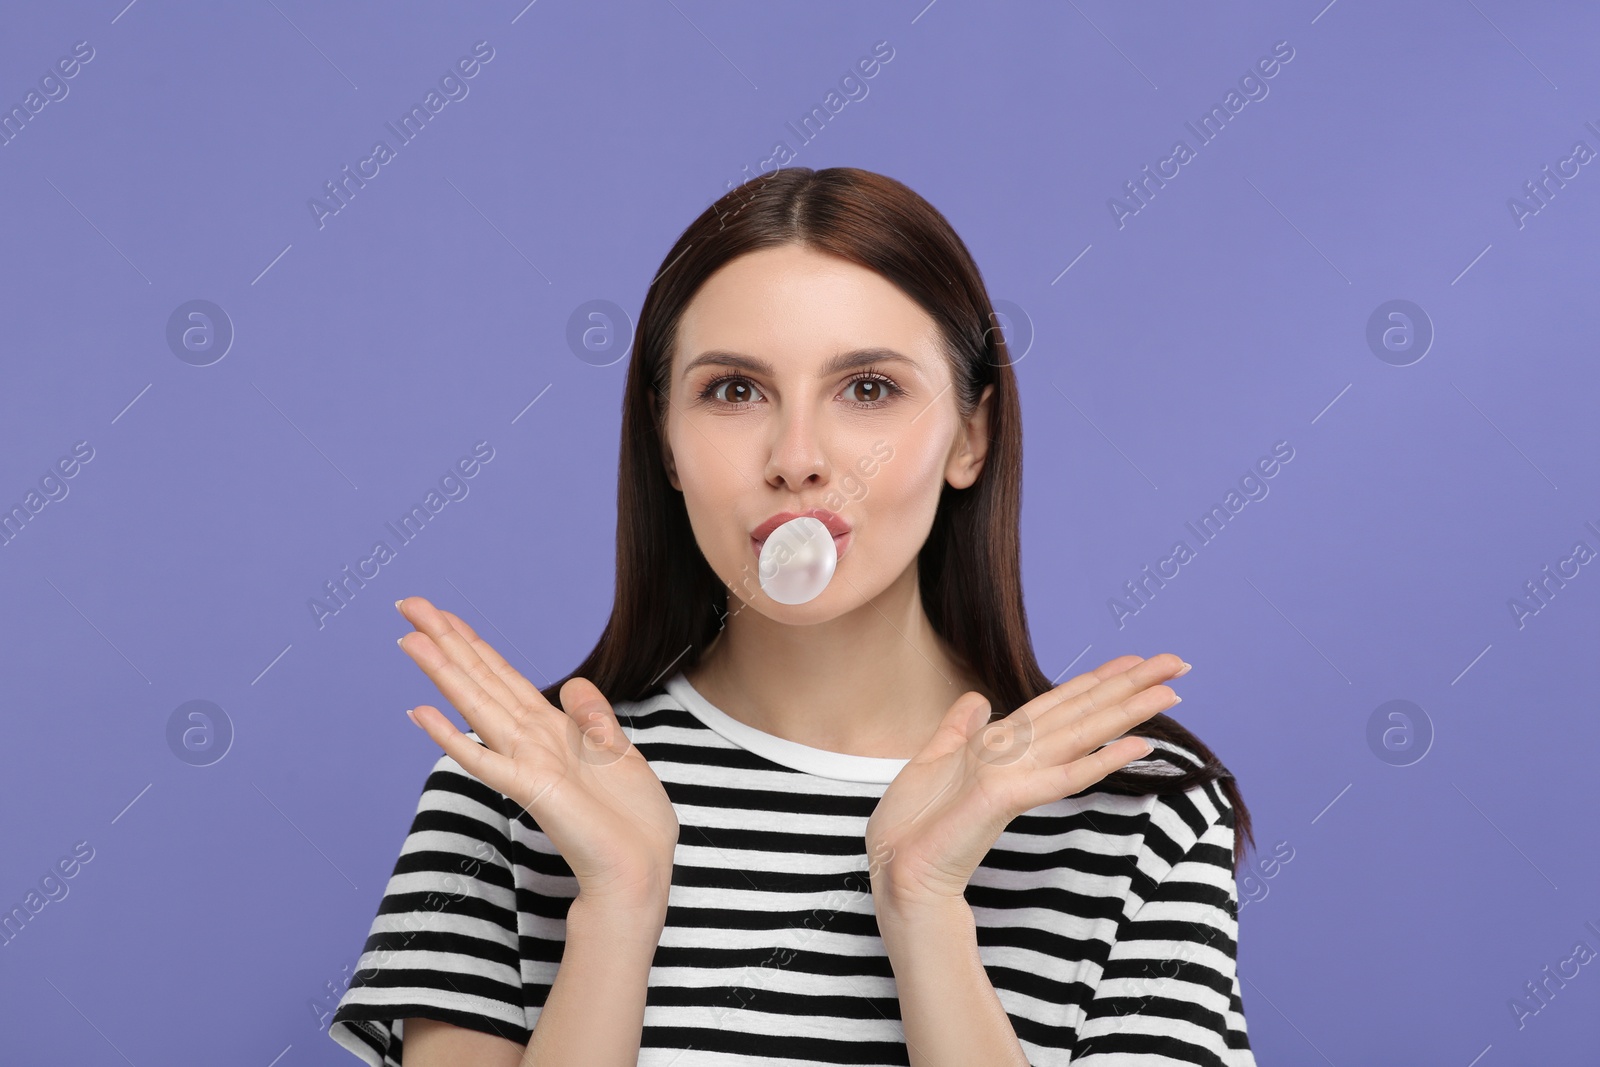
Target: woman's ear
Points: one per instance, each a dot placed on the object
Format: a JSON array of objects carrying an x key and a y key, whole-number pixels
[
  {"x": 666, "y": 447},
  {"x": 971, "y": 445},
  {"x": 672, "y": 468}
]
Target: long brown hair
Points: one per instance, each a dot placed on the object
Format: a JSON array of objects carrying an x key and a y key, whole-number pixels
[{"x": 669, "y": 604}]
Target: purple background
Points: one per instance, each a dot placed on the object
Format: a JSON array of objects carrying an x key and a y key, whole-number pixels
[{"x": 1436, "y": 870}]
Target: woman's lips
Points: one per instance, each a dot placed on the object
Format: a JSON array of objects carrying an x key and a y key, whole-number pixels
[
  {"x": 835, "y": 523},
  {"x": 840, "y": 543}
]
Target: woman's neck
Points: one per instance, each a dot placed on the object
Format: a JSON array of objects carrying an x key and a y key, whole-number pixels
[{"x": 874, "y": 681}]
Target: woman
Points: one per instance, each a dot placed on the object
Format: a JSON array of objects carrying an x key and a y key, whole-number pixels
[{"x": 885, "y": 837}]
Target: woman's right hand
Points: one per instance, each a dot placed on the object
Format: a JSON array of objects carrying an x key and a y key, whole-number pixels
[{"x": 588, "y": 787}]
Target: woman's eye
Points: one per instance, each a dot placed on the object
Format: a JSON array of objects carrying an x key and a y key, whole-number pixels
[
  {"x": 873, "y": 391},
  {"x": 738, "y": 390}
]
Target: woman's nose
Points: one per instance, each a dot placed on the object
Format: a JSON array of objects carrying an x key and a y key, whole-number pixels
[{"x": 797, "y": 454}]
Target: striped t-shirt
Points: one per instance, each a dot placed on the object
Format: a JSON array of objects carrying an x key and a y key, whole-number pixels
[{"x": 1107, "y": 924}]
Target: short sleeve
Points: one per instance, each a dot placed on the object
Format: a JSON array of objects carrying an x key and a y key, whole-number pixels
[
  {"x": 444, "y": 944},
  {"x": 1169, "y": 991}
]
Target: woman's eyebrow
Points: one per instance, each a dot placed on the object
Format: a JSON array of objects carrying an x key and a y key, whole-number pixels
[{"x": 858, "y": 357}]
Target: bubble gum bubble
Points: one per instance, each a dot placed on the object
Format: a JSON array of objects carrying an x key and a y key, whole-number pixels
[{"x": 798, "y": 561}]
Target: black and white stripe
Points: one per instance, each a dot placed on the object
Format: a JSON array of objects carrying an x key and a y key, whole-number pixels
[{"x": 1106, "y": 923}]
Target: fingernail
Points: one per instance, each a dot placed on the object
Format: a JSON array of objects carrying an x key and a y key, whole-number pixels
[
  {"x": 1177, "y": 700},
  {"x": 412, "y": 717},
  {"x": 1187, "y": 666},
  {"x": 397, "y": 604},
  {"x": 399, "y": 639}
]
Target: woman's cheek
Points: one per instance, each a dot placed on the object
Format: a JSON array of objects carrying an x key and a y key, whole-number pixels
[
  {"x": 722, "y": 541},
  {"x": 913, "y": 480},
  {"x": 908, "y": 501}
]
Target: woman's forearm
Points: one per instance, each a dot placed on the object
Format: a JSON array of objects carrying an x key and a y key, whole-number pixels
[{"x": 594, "y": 1013}]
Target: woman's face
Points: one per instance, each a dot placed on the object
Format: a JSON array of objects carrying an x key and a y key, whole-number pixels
[{"x": 776, "y": 406}]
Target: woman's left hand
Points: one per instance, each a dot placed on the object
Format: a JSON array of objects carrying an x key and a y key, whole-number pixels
[{"x": 946, "y": 808}]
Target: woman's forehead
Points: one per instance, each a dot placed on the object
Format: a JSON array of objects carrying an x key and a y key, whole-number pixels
[{"x": 791, "y": 308}]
